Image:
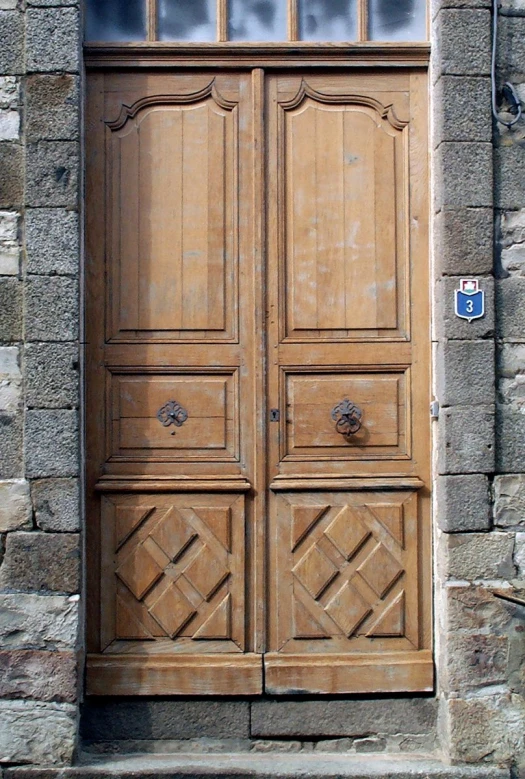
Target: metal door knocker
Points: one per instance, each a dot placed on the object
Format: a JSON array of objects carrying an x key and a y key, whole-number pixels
[
  {"x": 347, "y": 418},
  {"x": 172, "y": 413}
]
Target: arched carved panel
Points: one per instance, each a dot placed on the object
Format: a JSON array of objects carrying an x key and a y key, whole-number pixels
[
  {"x": 344, "y": 237},
  {"x": 172, "y": 165}
]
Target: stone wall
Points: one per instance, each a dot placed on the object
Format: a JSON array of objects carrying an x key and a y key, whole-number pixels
[
  {"x": 480, "y": 382},
  {"x": 478, "y": 202},
  {"x": 39, "y": 379}
]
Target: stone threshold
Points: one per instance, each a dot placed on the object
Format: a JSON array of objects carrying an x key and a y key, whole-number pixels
[{"x": 261, "y": 766}]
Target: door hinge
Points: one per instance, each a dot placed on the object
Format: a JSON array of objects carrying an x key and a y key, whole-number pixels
[
  {"x": 434, "y": 409},
  {"x": 275, "y": 415}
]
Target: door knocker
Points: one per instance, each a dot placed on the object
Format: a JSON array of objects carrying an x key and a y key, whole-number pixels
[
  {"x": 172, "y": 413},
  {"x": 347, "y": 418}
]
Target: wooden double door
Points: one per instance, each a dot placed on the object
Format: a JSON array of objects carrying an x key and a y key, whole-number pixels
[{"x": 257, "y": 382}]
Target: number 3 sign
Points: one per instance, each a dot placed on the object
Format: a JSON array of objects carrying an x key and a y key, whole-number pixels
[{"x": 470, "y": 300}]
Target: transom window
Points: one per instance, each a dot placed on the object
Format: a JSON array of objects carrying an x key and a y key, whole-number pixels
[{"x": 209, "y": 21}]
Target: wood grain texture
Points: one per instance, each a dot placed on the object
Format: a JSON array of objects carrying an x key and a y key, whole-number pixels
[
  {"x": 257, "y": 243},
  {"x": 204, "y": 675}
]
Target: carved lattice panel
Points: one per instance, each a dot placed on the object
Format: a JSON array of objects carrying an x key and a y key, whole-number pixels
[
  {"x": 174, "y": 570},
  {"x": 347, "y": 572}
]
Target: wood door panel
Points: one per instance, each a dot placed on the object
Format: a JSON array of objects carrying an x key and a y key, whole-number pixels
[
  {"x": 310, "y": 432},
  {"x": 257, "y": 253},
  {"x": 346, "y": 573},
  {"x": 172, "y": 163},
  {"x": 343, "y": 163},
  {"x": 173, "y": 568},
  {"x": 210, "y": 432}
]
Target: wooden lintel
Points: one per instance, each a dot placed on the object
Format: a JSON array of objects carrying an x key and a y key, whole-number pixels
[{"x": 294, "y": 54}]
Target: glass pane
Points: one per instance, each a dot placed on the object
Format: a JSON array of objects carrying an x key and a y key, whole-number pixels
[
  {"x": 398, "y": 20},
  {"x": 257, "y": 20},
  {"x": 187, "y": 20},
  {"x": 115, "y": 20},
  {"x": 328, "y": 20}
]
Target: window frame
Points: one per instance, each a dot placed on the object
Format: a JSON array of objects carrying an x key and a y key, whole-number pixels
[{"x": 293, "y": 39}]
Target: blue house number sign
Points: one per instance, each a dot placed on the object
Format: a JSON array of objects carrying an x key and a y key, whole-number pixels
[{"x": 470, "y": 300}]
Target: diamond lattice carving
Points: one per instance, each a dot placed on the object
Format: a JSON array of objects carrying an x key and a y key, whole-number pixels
[
  {"x": 172, "y": 610},
  {"x": 380, "y": 570},
  {"x": 346, "y": 562},
  {"x": 139, "y": 571},
  {"x": 315, "y": 571},
  {"x": 174, "y": 569}
]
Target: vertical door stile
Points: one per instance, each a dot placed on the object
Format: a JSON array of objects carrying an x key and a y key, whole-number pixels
[{"x": 259, "y": 372}]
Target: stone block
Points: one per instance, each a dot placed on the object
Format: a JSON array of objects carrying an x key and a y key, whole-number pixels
[
  {"x": 9, "y": 125},
  {"x": 510, "y": 305},
  {"x": 510, "y": 435},
  {"x": 107, "y": 720},
  {"x": 52, "y": 375},
  {"x": 9, "y": 90},
  {"x": 474, "y": 661},
  {"x": 56, "y": 504},
  {"x": 511, "y": 360},
  {"x": 9, "y": 246},
  {"x": 38, "y": 621},
  {"x": 437, "y": 5},
  {"x": 10, "y": 310},
  {"x": 472, "y": 556},
  {"x": 16, "y": 512},
  {"x": 464, "y": 240},
  {"x": 11, "y": 436},
  {"x": 511, "y": 393},
  {"x": 465, "y": 373},
  {"x": 41, "y": 562},
  {"x": 52, "y": 241},
  {"x": 509, "y": 175},
  {"x": 357, "y": 717},
  {"x": 9, "y": 225},
  {"x": 511, "y": 48},
  {"x": 512, "y": 227},
  {"x": 473, "y": 610},
  {"x": 519, "y": 554},
  {"x": 485, "y": 729},
  {"x": 52, "y": 107},
  {"x": 509, "y": 500},
  {"x": 12, "y": 178},
  {"x": 462, "y": 42},
  {"x": 52, "y": 443},
  {"x": 39, "y": 676},
  {"x": 466, "y": 440},
  {"x": 448, "y": 325},
  {"x": 513, "y": 260},
  {"x": 36, "y": 732},
  {"x": 460, "y": 102},
  {"x": 52, "y": 309},
  {"x": 52, "y": 174},
  {"x": 53, "y": 39},
  {"x": 463, "y": 503},
  {"x": 10, "y": 379},
  {"x": 12, "y": 37},
  {"x": 463, "y": 175}
]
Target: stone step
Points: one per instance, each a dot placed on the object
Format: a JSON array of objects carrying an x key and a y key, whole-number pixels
[{"x": 260, "y": 766}]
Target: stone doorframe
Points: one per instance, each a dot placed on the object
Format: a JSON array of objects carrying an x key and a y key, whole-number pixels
[{"x": 478, "y": 644}]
